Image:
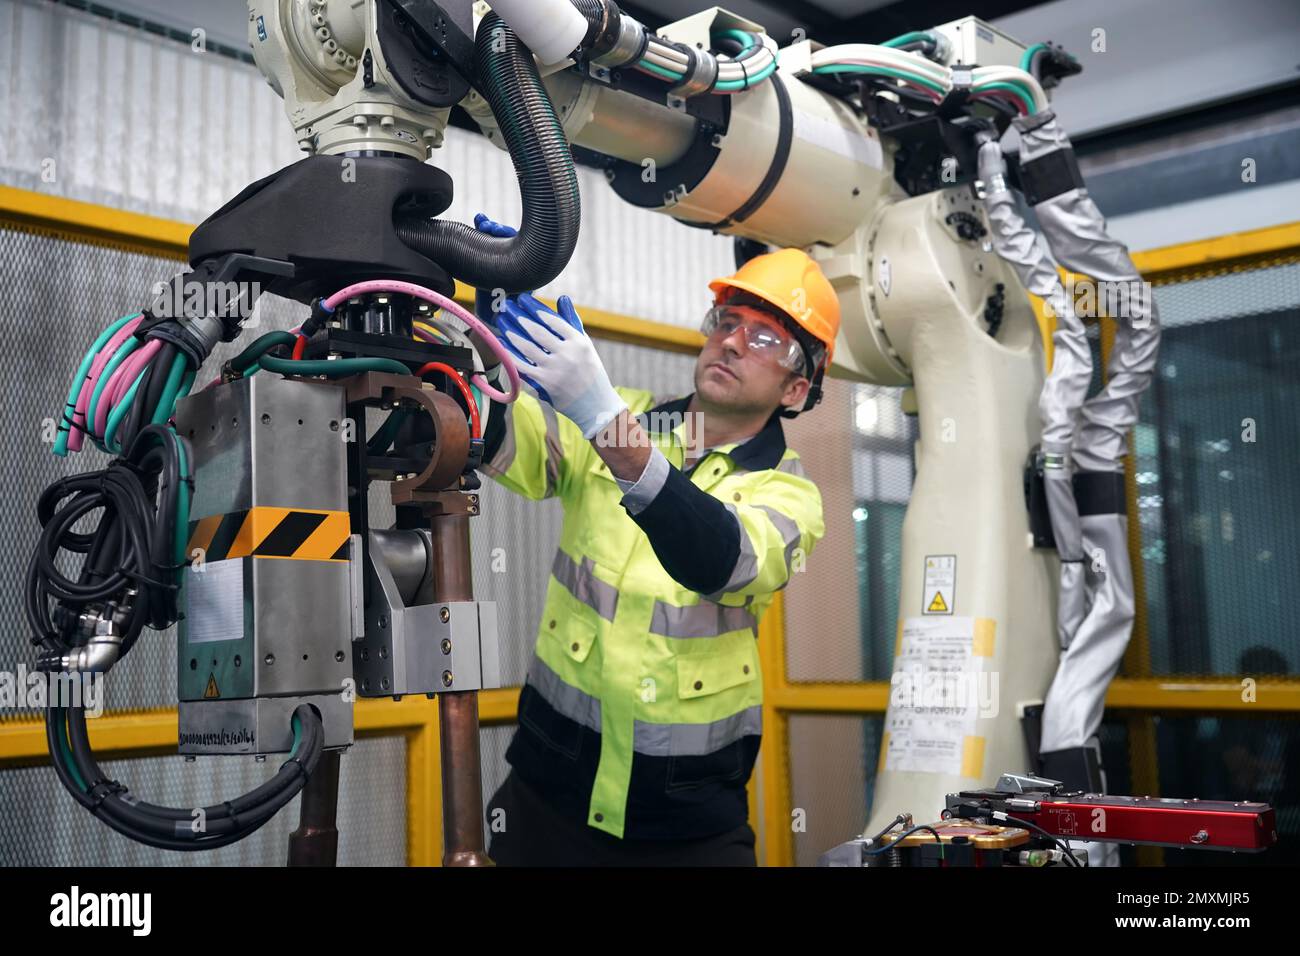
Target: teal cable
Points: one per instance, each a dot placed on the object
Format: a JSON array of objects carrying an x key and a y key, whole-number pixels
[
  {"x": 1027, "y": 57},
  {"x": 71, "y": 764},
  {"x": 1025, "y": 90},
  {"x": 907, "y": 38},
  {"x": 117, "y": 414},
  {"x": 882, "y": 71},
  {"x": 659, "y": 70},
  {"x": 758, "y": 77},
  {"x": 297, "y": 736},
  {"x": 170, "y": 390},
  {"x": 69, "y": 407},
  {"x": 1014, "y": 88},
  {"x": 182, "y": 504},
  {"x": 259, "y": 347},
  {"x": 478, "y": 399},
  {"x": 741, "y": 35},
  {"x": 334, "y": 367}
]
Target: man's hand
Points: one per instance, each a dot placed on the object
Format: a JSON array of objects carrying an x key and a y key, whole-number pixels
[{"x": 558, "y": 359}]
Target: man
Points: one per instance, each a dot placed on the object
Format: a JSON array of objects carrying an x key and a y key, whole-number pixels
[{"x": 640, "y": 720}]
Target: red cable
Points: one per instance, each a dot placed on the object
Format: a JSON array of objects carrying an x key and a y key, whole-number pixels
[
  {"x": 299, "y": 347},
  {"x": 455, "y": 376}
]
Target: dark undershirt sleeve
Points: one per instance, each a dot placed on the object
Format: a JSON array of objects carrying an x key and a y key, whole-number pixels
[{"x": 694, "y": 536}]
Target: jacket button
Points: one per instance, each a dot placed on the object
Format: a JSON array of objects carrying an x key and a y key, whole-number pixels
[
  {"x": 600, "y": 818},
  {"x": 574, "y": 646},
  {"x": 736, "y": 496},
  {"x": 746, "y": 668},
  {"x": 717, "y": 471},
  {"x": 551, "y": 625},
  {"x": 699, "y": 685}
]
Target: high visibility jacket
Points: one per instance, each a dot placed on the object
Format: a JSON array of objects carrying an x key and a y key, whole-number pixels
[{"x": 641, "y": 714}]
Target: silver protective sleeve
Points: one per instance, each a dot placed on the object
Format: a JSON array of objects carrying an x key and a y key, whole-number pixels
[
  {"x": 1075, "y": 231},
  {"x": 1066, "y": 386},
  {"x": 1072, "y": 710}
]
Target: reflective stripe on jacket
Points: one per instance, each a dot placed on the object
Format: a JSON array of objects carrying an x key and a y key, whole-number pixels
[{"x": 642, "y": 709}]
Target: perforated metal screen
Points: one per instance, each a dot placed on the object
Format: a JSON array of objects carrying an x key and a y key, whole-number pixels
[
  {"x": 832, "y": 774},
  {"x": 1218, "y": 476},
  {"x": 840, "y": 614},
  {"x": 41, "y": 826}
]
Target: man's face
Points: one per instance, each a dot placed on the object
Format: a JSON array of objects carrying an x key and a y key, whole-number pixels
[{"x": 731, "y": 375}]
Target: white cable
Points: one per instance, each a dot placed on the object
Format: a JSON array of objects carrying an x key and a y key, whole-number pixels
[
  {"x": 944, "y": 82},
  {"x": 653, "y": 56},
  {"x": 994, "y": 74},
  {"x": 732, "y": 71},
  {"x": 871, "y": 51},
  {"x": 663, "y": 50}
]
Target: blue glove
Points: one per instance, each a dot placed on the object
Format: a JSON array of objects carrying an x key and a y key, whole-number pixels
[
  {"x": 558, "y": 359},
  {"x": 483, "y": 297}
]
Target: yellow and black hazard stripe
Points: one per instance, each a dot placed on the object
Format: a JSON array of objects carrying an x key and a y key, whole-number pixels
[{"x": 297, "y": 533}]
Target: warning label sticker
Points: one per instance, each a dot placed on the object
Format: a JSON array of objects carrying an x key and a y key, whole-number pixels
[
  {"x": 211, "y": 690},
  {"x": 940, "y": 592},
  {"x": 938, "y": 693}
]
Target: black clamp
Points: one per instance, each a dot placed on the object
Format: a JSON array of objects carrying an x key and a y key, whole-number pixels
[
  {"x": 104, "y": 790},
  {"x": 959, "y": 96}
]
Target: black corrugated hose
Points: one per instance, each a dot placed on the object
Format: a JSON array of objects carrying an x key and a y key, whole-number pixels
[{"x": 548, "y": 182}]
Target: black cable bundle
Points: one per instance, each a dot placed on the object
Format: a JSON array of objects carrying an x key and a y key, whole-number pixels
[
  {"x": 132, "y": 548},
  {"x": 171, "y": 828},
  {"x": 129, "y": 576}
]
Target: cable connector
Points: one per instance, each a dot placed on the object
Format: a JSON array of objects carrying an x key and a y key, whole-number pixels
[{"x": 319, "y": 318}]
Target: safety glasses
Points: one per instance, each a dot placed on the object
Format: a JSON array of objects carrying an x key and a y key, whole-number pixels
[{"x": 763, "y": 335}]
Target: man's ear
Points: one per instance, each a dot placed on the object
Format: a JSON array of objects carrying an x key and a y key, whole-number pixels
[{"x": 795, "y": 393}]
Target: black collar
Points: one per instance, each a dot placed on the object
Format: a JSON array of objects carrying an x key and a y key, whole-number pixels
[{"x": 764, "y": 450}]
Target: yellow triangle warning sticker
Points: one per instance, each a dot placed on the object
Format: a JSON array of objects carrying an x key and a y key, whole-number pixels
[
  {"x": 211, "y": 689},
  {"x": 937, "y": 606}
]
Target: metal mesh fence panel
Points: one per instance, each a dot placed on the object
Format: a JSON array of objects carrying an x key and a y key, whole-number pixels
[
  {"x": 1216, "y": 471},
  {"x": 40, "y": 825},
  {"x": 840, "y": 618},
  {"x": 833, "y": 764}
]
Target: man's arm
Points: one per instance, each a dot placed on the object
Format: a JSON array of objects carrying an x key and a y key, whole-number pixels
[
  {"x": 725, "y": 552},
  {"x": 528, "y": 448}
]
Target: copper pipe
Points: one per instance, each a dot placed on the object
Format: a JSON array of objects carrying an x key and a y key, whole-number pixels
[
  {"x": 462, "y": 780},
  {"x": 316, "y": 841}
]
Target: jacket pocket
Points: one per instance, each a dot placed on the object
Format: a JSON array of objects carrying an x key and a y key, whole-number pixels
[
  {"x": 699, "y": 678},
  {"x": 701, "y": 675},
  {"x": 554, "y": 711}
]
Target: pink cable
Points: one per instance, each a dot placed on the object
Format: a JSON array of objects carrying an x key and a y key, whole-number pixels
[
  {"x": 122, "y": 380},
  {"x": 77, "y": 434},
  {"x": 456, "y": 309}
]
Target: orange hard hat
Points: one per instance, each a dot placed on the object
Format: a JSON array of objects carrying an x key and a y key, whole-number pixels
[{"x": 791, "y": 281}]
